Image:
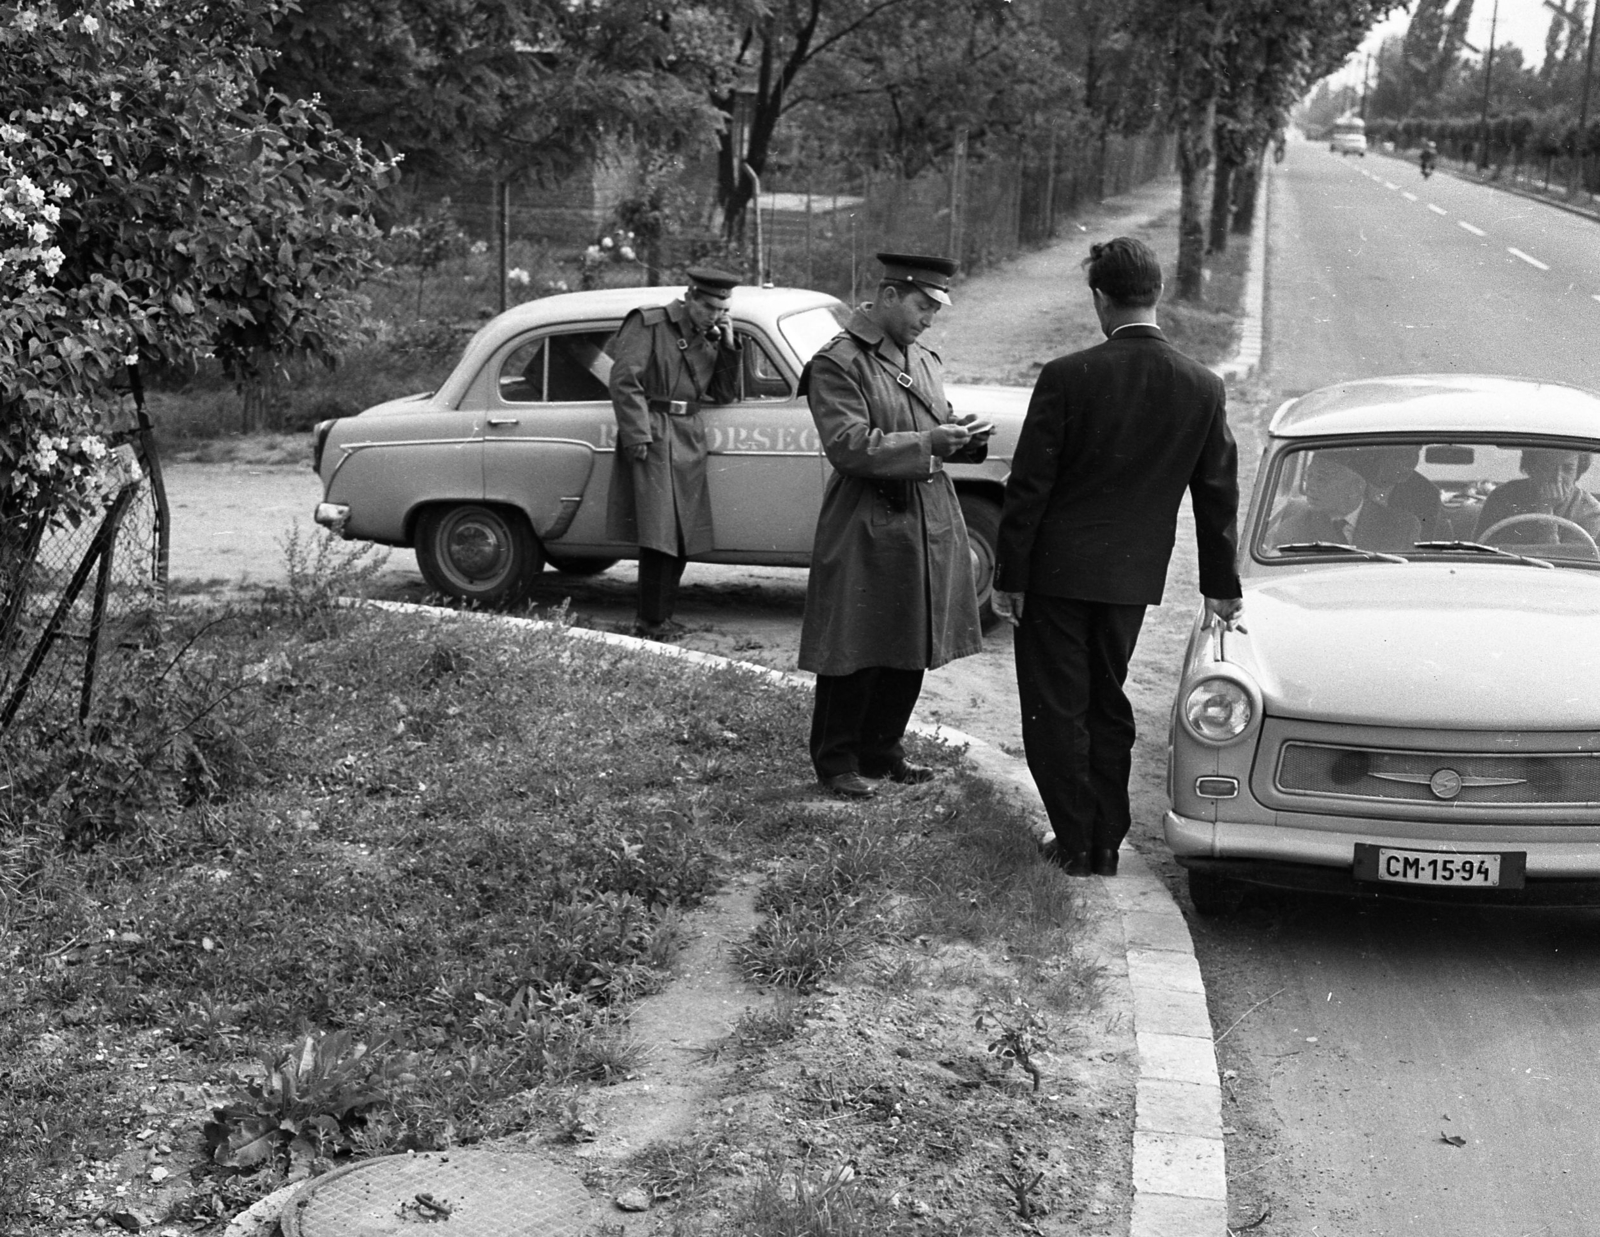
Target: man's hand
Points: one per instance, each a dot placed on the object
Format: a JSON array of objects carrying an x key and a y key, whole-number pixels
[
  {"x": 1229, "y": 611},
  {"x": 975, "y": 425},
  {"x": 639, "y": 452},
  {"x": 949, "y": 438},
  {"x": 1008, "y": 605}
]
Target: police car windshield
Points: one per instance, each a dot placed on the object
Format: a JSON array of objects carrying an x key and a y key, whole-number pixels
[{"x": 809, "y": 329}]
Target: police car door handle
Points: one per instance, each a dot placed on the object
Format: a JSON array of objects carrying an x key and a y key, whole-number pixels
[{"x": 505, "y": 420}]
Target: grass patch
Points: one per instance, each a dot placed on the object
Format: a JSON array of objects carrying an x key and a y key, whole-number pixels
[{"x": 367, "y": 883}]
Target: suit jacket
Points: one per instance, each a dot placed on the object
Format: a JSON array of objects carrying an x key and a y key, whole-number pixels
[
  {"x": 1377, "y": 527},
  {"x": 1113, "y": 437}
]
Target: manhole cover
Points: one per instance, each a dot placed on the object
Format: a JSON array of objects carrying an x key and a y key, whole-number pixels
[{"x": 452, "y": 1193}]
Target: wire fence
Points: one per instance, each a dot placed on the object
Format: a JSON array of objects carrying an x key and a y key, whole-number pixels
[{"x": 77, "y": 598}]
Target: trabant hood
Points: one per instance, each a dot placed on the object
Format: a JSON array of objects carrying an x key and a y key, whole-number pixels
[
  {"x": 427, "y": 401},
  {"x": 1428, "y": 645}
]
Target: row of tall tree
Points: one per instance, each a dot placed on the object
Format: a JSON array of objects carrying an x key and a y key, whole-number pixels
[{"x": 1432, "y": 72}]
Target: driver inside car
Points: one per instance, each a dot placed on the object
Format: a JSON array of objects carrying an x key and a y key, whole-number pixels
[{"x": 1549, "y": 486}]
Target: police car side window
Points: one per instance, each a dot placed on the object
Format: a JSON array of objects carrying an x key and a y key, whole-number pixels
[
  {"x": 522, "y": 373},
  {"x": 763, "y": 376},
  {"x": 566, "y": 368}
]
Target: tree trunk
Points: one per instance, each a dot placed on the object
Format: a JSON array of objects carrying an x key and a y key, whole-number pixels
[
  {"x": 259, "y": 407},
  {"x": 1221, "y": 207},
  {"x": 1194, "y": 162},
  {"x": 1245, "y": 185}
]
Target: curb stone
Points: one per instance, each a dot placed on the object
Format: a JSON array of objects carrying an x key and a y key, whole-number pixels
[
  {"x": 1179, "y": 1163},
  {"x": 1247, "y": 359}
]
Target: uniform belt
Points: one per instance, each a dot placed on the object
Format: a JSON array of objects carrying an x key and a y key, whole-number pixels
[{"x": 674, "y": 407}]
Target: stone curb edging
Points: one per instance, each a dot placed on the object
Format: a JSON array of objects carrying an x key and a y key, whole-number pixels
[
  {"x": 1247, "y": 359},
  {"x": 1180, "y": 1183}
]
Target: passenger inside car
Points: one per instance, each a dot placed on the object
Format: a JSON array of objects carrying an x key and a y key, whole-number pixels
[
  {"x": 1336, "y": 508},
  {"x": 1393, "y": 481}
]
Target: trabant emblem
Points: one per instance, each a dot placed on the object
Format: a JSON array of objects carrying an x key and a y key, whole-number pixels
[{"x": 1447, "y": 783}]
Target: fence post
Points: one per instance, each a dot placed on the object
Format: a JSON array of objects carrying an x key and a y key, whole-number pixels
[
  {"x": 502, "y": 233},
  {"x": 958, "y": 175}
]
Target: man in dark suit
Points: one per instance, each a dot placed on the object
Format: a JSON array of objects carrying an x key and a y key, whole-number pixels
[{"x": 1113, "y": 437}]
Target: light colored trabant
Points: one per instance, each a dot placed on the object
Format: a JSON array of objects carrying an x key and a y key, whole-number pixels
[
  {"x": 1415, "y": 708},
  {"x": 505, "y": 467}
]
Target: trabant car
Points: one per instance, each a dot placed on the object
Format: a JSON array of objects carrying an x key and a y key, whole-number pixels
[
  {"x": 505, "y": 468},
  {"x": 1414, "y": 708}
]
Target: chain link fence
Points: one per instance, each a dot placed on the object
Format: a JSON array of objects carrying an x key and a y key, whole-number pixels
[
  {"x": 982, "y": 211},
  {"x": 76, "y": 599}
]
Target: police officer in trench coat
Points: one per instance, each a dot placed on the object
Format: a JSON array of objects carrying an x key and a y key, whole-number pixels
[
  {"x": 667, "y": 362},
  {"x": 891, "y": 590}
]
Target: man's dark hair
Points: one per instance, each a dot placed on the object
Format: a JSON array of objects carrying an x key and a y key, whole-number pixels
[{"x": 1126, "y": 271}]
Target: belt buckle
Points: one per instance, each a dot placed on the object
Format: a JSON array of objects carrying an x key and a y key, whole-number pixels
[{"x": 677, "y": 407}]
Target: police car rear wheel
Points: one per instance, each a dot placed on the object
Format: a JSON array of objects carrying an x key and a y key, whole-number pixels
[{"x": 486, "y": 555}]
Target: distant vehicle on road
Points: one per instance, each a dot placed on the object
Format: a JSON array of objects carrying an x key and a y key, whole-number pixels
[
  {"x": 1415, "y": 708},
  {"x": 1349, "y": 136},
  {"x": 505, "y": 468}
]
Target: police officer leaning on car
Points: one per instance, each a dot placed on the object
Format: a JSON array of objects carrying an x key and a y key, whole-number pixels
[{"x": 668, "y": 361}]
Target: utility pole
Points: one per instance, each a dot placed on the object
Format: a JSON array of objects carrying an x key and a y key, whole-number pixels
[
  {"x": 1365, "y": 73},
  {"x": 1583, "y": 105},
  {"x": 1488, "y": 72}
]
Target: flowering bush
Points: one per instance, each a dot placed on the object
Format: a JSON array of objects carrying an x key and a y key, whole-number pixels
[{"x": 155, "y": 204}]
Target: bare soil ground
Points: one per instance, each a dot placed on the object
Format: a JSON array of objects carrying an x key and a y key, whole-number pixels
[{"x": 888, "y": 1079}]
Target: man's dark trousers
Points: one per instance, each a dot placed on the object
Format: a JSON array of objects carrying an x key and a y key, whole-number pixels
[
  {"x": 659, "y": 576},
  {"x": 1077, "y": 725},
  {"x": 859, "y": 720}
]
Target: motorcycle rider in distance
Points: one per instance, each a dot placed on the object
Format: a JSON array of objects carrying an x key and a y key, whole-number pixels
[
  {"x": 1279, "y": 145},
  {"x": 1428, "y": 157}
]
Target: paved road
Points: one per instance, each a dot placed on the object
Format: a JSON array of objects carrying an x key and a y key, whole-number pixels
[
  {"x": 1376, "y": 270},
  {"x": 1365, "y": 1036}
]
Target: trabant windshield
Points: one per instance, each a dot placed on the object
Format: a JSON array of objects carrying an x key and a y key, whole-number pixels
[
  {"x": 809, "y": 329},
  {"x": 1529, "y": 501}
]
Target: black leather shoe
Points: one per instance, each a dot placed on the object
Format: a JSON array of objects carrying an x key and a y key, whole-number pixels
[
  {"x": 1103, "y": 861},
  {"x": 665, "y": 631},
  {"x": 1073, "y": 863},
  {"x": 908, "y": 774},
  {"x": 850, "y": 786}
]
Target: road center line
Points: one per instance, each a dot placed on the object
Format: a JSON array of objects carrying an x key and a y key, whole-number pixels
[
  {"x": 1470, "y": 228},
  {"x": 1438, "y": 210},
  {"x": 1596, "y": 295},
  {"x": 1528, "y": 258},
  {"x": 1389, "y": 184},
  {"x": 1410, "y": 197}
]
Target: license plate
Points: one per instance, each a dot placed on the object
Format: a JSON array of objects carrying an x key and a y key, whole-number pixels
[{"x": 1430, "y": 867}]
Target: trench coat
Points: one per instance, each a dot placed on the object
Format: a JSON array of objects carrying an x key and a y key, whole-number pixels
[
  {"x": 662, "y": 503},
  {"x": 888, "y": 587}
]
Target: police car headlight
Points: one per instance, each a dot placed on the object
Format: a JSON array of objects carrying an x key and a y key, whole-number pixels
[{"x": 1218, "y": 710}]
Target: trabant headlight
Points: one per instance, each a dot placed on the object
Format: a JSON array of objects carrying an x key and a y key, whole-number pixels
[{"x": 1218, "y": 709}]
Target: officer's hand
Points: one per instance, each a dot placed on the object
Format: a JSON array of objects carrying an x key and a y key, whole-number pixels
[
  {"x": 640, "y": 452},
  {"x": 1008, "y": 605},
  {"x": 975, "y": 425},
  {"x": 1228, "y": 610},
  {"x": 949, "y": 438}
]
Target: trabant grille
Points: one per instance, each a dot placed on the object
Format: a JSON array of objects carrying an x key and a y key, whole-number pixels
[{"x": 1463, "y": 779}]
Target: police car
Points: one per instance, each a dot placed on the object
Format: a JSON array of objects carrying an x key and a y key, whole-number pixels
[{"x": 504, "y": 470}]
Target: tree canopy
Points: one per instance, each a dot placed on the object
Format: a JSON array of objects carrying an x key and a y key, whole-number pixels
[{"x": 514, "y": 89}]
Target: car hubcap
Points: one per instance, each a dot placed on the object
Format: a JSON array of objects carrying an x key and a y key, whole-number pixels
[{"x": 477, "y": 550}]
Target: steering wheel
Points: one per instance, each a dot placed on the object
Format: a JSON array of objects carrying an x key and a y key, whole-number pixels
[{"x": 1540, "y": 517}]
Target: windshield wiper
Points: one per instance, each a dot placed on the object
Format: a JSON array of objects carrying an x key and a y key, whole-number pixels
[
  {"x": 1477, "y": 547},
  {"x": 1338, "y": 547}
]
